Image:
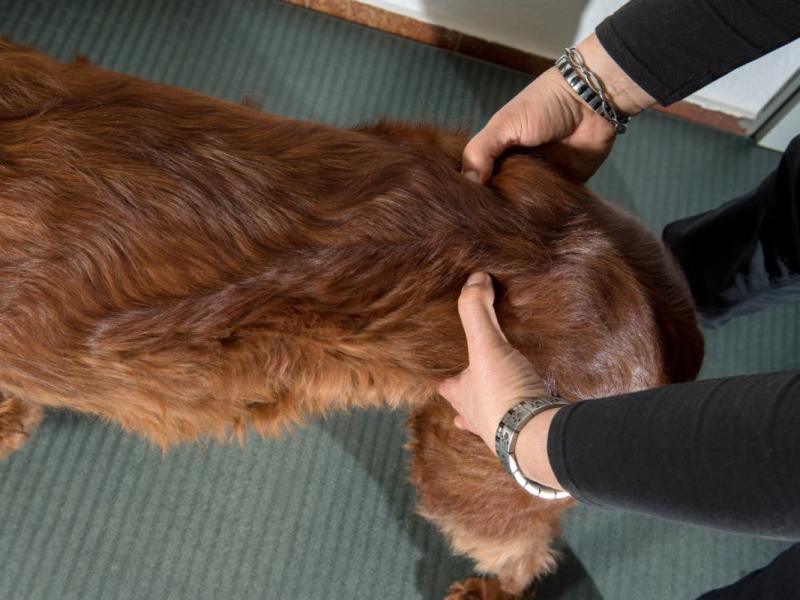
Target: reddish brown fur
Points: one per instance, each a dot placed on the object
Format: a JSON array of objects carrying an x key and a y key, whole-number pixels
[{"x": 186, "y": 267}]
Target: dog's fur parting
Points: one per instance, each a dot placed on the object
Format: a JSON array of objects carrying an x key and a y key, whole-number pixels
[{"x": 187, "y": 267}]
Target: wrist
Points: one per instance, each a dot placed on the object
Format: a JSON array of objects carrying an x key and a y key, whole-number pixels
[
  {"x": 507, "y": 439},
  {"x": 531, "y": 450},
  {"x": 625, "y": 94}
]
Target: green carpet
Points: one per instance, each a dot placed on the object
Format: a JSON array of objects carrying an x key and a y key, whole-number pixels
[{"x": 89, "y": 513}]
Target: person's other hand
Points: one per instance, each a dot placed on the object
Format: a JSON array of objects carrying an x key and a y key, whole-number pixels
[
  {"x": 545, "y": 111},
  {"x": 549, "y": 111},
  {"x": 498, "y": 376}
]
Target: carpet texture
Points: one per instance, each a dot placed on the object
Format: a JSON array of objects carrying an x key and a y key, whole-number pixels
[{"x": 89, "y": 513}]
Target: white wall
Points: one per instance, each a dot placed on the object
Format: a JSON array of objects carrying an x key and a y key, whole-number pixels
[
  {"x": 544, "y": 27},
  {"x": 780, "y": 131}
]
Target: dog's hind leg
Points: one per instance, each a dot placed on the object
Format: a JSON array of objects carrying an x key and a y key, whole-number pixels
[
  {"x": 511, "y": 565},
  {"x": 463, "y": 489},
  {"x": 18, "y": 420}
]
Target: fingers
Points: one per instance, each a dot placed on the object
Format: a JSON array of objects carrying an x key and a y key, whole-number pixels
[
  {"x": 447, "y": 388},
  {"x": 476, "y": 309},
  {"x": 482, "y": 150},
  {"x": 547, "y": 110},
  {"x": 449, "y": 391},
  {"x": 582, "y": 153}
]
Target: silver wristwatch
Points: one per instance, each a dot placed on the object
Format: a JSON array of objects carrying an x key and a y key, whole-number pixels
[{"x": 506, "y": 440}]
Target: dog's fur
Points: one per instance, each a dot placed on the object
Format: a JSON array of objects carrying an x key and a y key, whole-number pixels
[{"x": 187, "y": 267}]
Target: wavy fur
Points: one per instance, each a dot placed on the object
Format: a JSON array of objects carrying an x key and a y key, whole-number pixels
[{"x": 186, "y": 267}]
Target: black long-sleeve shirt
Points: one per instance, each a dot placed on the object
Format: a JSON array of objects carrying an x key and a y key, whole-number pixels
[
  {"x": 723, "y": 453},
  {"x": 672, "y": 48}
]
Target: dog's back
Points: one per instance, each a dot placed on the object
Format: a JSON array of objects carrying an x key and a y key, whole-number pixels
[{"x": 183, "y": 265}]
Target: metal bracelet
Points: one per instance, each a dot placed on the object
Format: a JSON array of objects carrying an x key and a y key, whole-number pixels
[
  {"x": 506, "y": 441},
  {"x": 589, "y": 87}
]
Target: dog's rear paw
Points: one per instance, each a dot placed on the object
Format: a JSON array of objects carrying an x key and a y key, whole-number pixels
[
  {"x": 479, "y": 588},
  {"x": 18, "y": 420}
]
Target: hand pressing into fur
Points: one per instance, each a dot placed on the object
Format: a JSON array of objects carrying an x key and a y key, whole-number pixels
[
  {"x": 545, "y": 112},
  {"x": 548, "y": 112},
  {"x": 498, "y": 376}
]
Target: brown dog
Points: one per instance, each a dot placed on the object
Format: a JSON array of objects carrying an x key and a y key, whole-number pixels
[{"x": 187, "y": 267}]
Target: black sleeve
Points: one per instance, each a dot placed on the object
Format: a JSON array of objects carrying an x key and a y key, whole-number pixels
[
  {"x": 673, "y": 48},
  {"x": 722, "y": 453}
]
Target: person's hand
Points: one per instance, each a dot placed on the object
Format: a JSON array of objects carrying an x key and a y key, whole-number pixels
[
  {"x": 548, "y": 111},
  {"x": 545, "y": 111},
  {"x": 498, "y": 376}
]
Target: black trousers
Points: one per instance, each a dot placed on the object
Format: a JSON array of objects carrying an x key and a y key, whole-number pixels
[
  {"x": 745, "y": 254},
  {"x": 779, "y": 580}
]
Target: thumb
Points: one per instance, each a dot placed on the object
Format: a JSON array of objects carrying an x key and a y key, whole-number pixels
[
  {"x": 482, "y": 150},
  {"x": 476, "y": 309}
]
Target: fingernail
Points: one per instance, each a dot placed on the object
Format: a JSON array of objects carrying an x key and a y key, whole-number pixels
[
  {"x": 478, "y": 279},
  {"x": 472, "y": 176}
]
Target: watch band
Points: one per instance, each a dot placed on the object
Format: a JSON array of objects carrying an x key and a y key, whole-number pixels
[{"x": 506, "y": 440}]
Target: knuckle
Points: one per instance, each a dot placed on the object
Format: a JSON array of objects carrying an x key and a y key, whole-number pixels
[
  {"x": 474, "y": 153},
  {"x": 472, "y": 294},
  {"x": 445, "y": 388}
]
